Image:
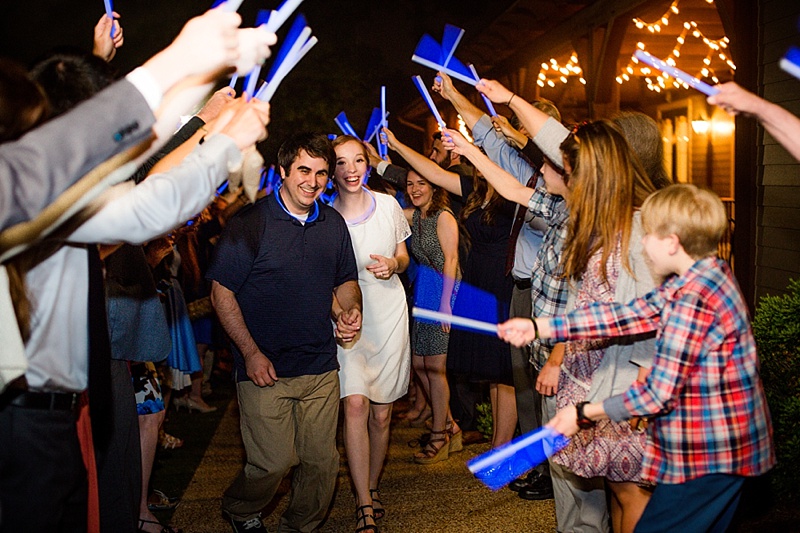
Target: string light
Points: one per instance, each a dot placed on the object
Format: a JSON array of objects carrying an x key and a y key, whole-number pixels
[
  {"x": 716, "y": 49},
  {"x": 553, "y": 72}
]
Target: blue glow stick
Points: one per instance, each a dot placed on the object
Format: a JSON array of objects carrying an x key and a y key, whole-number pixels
[
  {"x": 289, "y": 41},
  {"x": 262, "y": 17},
  {"x": 486, "y": 100},
  {"x": 500, "y": 466},
  {"x": 450, "y": 39},
  {"x": 676, "y": 73},
  {"x": 344, "y": 125},
  {"x": 383, "y": 150},
  {"x": 301, "y": 47},
  {"x": 222, "y": 188},
  {"x": 234, "y": 79},
  {"x": 791, "y": 62},
  {"x": 281, "y": 15},
  {"x": 250, "y": 81},
  {"x": 373, "y": 125},
  {"x": 429, "y": 54},
  {"x": 263, "y": 183},
  {"x": 428, "y": 100},
  {"x": 110, "y": 14},
  {"x": 232, "y": 5},
  {"x": 455, "y": 320}
]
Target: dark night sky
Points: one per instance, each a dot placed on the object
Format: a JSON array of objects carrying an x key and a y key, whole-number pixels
[{"x": 362, "y": 45}]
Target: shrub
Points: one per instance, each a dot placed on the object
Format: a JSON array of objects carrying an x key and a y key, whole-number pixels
[{"x": 776, "y": 327}]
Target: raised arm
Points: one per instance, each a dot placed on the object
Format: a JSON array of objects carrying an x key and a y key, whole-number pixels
[
  {"x": 780, "y": 123},
  {"x": 427, "y": 168},
  {"x": 468, "y": 111},
  {"x": 504, "y": 183},
  {"x": 534, "y": 120}
]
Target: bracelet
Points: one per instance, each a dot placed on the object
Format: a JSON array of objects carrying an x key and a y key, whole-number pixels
[
  {"x": 512, "y": 97},
  {"x": 583, "y": 421},
  {"x": 535, "y": 328}
]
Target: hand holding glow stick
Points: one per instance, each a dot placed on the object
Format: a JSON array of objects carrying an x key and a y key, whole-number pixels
[
  {"x": 499, "y": 467},
  {"x": 383, "y": 150},
  {"x": 428, "y": 100},
  {"x": 486, "y": 100},
  {"x": 676, "y": 73}
]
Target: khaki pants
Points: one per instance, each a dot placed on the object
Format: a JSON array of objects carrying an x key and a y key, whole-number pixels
[{"x": 292, "y": 423}]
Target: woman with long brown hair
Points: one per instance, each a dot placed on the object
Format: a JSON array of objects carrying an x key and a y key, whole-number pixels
[{"x": 603, "y": 260}]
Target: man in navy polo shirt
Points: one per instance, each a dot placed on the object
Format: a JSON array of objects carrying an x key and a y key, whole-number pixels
[{"x": 283, "y": 268}]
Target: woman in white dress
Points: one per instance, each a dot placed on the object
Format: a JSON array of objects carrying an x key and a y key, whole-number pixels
[{"x": 375, "y": 367}]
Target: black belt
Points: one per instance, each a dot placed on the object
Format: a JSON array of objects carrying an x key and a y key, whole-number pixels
[
  {"x": 523, "y": 284},
  {"x": 52, "y": 401}
]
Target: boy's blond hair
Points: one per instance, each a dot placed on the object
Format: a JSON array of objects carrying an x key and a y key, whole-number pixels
[{"x": 695, "y": 215}]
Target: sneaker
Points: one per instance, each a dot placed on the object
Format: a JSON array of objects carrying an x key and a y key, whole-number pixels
[
  {"x": 541, "y": 489},
  {"x": 253, "y": 525}
]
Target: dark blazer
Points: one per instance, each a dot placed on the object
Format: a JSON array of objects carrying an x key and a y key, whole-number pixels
[{"x": 35, "y": 169}]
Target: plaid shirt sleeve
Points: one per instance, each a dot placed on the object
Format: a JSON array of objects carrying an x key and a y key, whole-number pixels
[{"x": 613, "y": 319}]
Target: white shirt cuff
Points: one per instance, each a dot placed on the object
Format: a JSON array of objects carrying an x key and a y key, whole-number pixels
[
  {"x": 146, "y": 84},
  {"x": 382, "y": 167}
]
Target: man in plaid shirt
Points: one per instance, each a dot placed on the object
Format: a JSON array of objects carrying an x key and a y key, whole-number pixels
[{"x": 711, "y": 426}]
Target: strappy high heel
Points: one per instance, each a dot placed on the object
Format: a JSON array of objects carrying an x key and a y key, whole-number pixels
[
  {"x": 437, "y": 449},
  {"x": 377, "y": 504},
  {"x": 363, "y": 515}
]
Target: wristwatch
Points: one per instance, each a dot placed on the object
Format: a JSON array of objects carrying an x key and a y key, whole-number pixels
[{"x": 583, "y": 421}]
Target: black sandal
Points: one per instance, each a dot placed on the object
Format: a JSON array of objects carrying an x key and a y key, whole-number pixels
[
  {"x": 377, "y": 504},
  {"x": 164, "y": 529},
  {"x": 363, "y": 516},
  {"x": 436, "y": 450}
]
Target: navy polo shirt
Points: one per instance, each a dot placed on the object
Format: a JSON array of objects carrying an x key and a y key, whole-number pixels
[{"x": 283, "y": 273}]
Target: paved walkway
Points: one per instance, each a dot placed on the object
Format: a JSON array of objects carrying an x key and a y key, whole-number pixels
[{"x": 439, "y": 497}]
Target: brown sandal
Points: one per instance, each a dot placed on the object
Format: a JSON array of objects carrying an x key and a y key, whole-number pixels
[
  {"x": 437, "y": 449},
  {"x": 456, "y": 439}
]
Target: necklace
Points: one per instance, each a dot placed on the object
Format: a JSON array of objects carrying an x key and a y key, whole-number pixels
[{"x": 366, "y": 214}]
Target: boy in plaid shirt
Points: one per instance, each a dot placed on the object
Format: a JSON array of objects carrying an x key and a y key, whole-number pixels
[{"x": 711, "y": 426}]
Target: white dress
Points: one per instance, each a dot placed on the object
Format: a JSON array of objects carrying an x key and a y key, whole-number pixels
[{"x": 377, "y": 364}]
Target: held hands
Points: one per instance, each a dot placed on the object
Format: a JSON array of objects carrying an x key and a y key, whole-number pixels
[
  {"x": 348, "y": 324},
  {"x": 495, "y": 91},
  {"x": 105, "y": 47},
  {"x": 383, "y": 267},
  {"x": 260, "y": 370}
]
